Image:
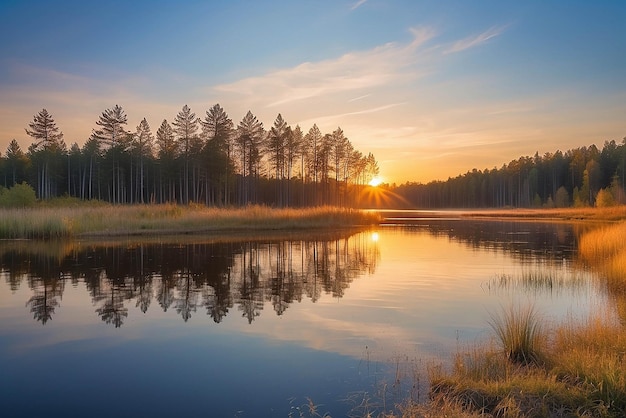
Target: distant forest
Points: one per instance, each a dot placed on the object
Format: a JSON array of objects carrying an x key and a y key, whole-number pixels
[
  {"x": 206, "y": 160},
  {"x": 584, "y": 176}
]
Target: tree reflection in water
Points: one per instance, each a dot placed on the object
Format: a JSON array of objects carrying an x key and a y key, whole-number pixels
[
  {"x": 187, "y": 276},
  {"x": 46, "y": 295}
]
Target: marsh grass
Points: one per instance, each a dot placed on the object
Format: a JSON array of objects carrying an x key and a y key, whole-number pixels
[
  {"x": 541, "y": 279},
  {"x": 520, "y": 334},
  {"x": 29, "y": 223},
  {"x": 582, "y": 373},
  {"x": 613, "y": 213},
  {"x": 593, "y": 355},
  {"x": 58, "y": 222},
  {"x": 605, "y": 249}
]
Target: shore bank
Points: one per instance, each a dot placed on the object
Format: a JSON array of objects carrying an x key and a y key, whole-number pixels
[{"x": 109, "y": 220}]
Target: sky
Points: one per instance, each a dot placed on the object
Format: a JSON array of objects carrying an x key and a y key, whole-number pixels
[{"x": 432, "y": 88}]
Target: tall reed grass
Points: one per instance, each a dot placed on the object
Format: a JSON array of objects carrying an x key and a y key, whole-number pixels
[
  {"x": 605, "y": 249},
  {"x": 57, "y": 222},
  {"x": 32, "y": 223}
]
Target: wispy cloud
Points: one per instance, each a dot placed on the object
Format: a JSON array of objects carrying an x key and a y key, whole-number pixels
[
  {"x": 358, "y": 4},
  {"x": 475, "y": 40},
  {"x": 354, "y": 71},
  {"x": 421, "y": 35},
  {"x": 355, "y": 99},
  {"x": 330, "y": 118}
]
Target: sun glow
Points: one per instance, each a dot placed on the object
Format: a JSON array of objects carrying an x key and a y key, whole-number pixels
[{"x": 376, "y": 181}]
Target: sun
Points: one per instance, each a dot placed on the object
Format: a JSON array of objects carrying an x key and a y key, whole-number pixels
[{"x": 376, "y": 181}]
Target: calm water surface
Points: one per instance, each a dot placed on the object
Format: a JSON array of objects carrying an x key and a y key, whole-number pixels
[{"x": 206, "y": 327}]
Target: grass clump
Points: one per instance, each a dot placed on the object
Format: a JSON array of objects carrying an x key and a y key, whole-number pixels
[
  {"x": 520, "y": 335},
  {"x": 582, "y": 372}
]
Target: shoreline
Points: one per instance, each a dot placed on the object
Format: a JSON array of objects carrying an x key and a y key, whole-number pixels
[{"x": 615, "y": 213}]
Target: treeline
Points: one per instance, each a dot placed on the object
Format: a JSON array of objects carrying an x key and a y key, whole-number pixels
[
  {"x": 585, "y": 176},
  {"x": 204, "y": 160}
]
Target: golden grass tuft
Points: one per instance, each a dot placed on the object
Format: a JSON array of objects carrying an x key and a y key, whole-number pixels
[{"x": 519, "y": 333}]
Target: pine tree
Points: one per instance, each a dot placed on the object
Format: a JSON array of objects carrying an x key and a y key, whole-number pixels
[
  {"x": 142, "y": 146},
  {"x": 276, "y": 139},
  {"x": 293, "y": 150},
  {"x": 250, "y": 135},
  {"x": 218, "y": 132},
  {"x": 312, "y": 149},
  {"x": 114, "y": 137},
  {"x": 16, "y": 164},
  {"x": 167, "y": 151},
  {"x": 185, "y": 127},
  {"x": 111, "y": 122},
  {"x": 44, "y": 131},
  {"x": 45, "y": 151}
]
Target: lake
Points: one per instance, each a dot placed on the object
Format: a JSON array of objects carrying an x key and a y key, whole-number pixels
[{"x": 267, "y": 326}]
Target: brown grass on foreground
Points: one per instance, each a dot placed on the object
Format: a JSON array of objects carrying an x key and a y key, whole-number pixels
[
  {"x": 46, "y": 222},
  {"x": 582, "y": 374},
  {"x": 572, "y": 370}
]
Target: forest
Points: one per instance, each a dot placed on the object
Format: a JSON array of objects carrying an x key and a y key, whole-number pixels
[
  {"x": 585, "y": 176},
  {"x": 205, "y": 160},
  {"x": 211, "y": 161}
]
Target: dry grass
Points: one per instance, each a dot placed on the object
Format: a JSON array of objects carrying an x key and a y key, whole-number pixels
[
  {"x": 519, "y": 332},
  {"x": 605, "y": 249},
  {"x": 583, "y": 375},
  {"x": 592, "y": 355},
  {"x": 47, "y": 222},
  {"x": 613, "y": 213}
]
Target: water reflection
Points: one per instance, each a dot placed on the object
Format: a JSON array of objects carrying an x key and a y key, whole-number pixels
[
  {"x": 523, "y": 240},
  {"x": 217, "y": 277},
  {"x": 331, "y": 314}
]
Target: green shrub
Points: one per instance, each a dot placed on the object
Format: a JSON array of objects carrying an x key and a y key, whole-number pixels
[{"x": 18, "y": 196}]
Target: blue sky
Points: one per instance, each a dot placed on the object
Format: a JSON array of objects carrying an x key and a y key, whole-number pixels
[{"x": 432, "y": 88}]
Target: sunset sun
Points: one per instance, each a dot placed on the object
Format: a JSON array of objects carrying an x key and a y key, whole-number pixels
[{"x": 376, "y": 181}]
